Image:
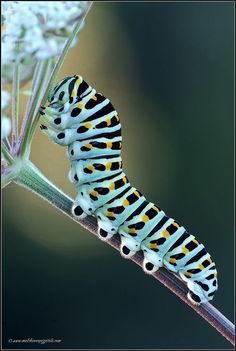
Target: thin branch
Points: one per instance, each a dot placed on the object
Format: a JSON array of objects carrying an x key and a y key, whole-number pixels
[
  {"x": 15, "y": 102},
  {"x": 35, "y": 82},
  {"x": 32, "y": 179},
  {"x": 6, "y": 154},
  {"x": 6, "y": 142},
  {"x": 26, "y": 132},
  {"x": 7, "y": 177}
]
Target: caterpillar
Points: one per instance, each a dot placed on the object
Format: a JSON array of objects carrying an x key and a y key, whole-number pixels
[{"x": 89, "y": 125}]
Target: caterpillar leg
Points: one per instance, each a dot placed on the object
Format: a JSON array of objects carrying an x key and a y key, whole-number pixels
[
  {"x": 53, "y": 122},
  {"x": 49, "y": 132},
  {"x": 106, "y": 229},
  {"x": 201, "y": 279},
  {"x": 47, "y": 111},
  {"x": 196, "y": 294},
  {"x": 54, "y": 119},
  {"x": 65, "y": 137},
  {"x": 152, "y": 261},
  {"x": 129, "y": 246},
  {"x": 82, "y": 206},
  {"x": 201, "y": 291},
  {"x": 77, "y": 211},
  {"x": 47, "y": 114}
]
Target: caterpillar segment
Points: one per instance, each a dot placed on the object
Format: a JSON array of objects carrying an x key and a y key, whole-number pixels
[
  {"x": 87, "y": 123},
  {"x": 87, "y": 170}
]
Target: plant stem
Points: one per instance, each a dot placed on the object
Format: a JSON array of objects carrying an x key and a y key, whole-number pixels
[
  {"x": 6, "y": 154},
  {"x": 60, "y": 60},
  {"x": 15, "y": 102},
  {"x": 32, "y": 179},
  {"x": 7, "y": 178},
  {"x": 32, "y": 97},
  {"x": 38, "y": 91},
  {"x": 6, "y": 143}
]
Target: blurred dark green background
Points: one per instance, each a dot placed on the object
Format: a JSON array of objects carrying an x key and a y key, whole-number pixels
[{"x": 168, "y": 69}]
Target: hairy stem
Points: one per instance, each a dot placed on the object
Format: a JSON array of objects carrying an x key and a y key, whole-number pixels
[
  {"x": 38, "y": 92},
  {"x": 7, "y": 178},
  {"x": 30, "y": 100},
  {"x": 6, "y": 143},
  {"x": 31, "y": 178},
  {"x": 15, "y": 102},
  {"x": 6, "y": 154}
]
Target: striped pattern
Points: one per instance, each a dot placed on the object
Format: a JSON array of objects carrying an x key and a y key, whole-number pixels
[{"x": 89, "y": 125}]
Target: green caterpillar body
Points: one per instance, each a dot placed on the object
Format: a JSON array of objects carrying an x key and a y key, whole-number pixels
[{"x": 88, "y": 124}]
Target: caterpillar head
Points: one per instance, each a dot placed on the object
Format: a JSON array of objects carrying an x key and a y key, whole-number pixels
[{"x": 60, "y": 94}]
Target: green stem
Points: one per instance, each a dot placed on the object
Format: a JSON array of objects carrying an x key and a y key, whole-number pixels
[
  {"x": 15, "y": 103},
  {"x": 39, "y": 89},
  {"x": 32, "y": 179},
  {"x": 60, "y": 60},
  {"x": 8, "y": 157},
  {"x": 6, "y": 143},
  {"x": 32, "y": 97},
  {"x": 7, "y": 178}
]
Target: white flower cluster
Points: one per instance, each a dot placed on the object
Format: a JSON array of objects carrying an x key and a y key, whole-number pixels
[
  {"x": 5, "y": 121},
  {"x": 37, "y": 29}
]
